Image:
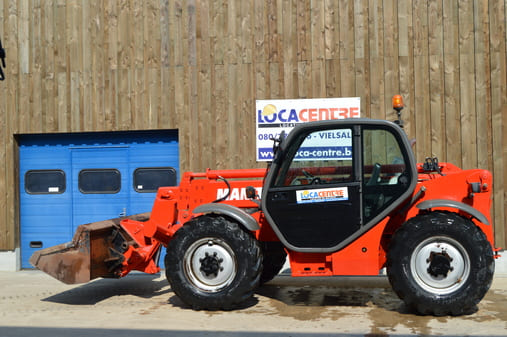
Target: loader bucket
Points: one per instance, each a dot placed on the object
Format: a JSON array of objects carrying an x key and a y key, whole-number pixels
[{"x": 96, "y": 250}]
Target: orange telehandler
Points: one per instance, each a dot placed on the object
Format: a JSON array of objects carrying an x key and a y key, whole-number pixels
[{"x": 347, "y": 209}]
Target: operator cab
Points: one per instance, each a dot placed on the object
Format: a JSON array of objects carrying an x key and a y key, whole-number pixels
[{"x": 331, "y": 181}]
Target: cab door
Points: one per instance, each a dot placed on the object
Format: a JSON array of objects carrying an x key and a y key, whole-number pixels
[
  {"x": 314, "y": 200},
  {"x": 332, "y": 181}
]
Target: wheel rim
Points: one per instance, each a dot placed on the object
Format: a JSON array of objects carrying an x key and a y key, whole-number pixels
[
  {"x": 440, "y": 265},
  {"x": 210, "y": 264}
]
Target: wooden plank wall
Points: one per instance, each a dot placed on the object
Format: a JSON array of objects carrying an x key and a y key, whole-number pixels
[{"x": 200, "y": 65}]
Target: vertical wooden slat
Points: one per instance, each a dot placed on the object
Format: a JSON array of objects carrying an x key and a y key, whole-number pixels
[
  {"x": 24, "y": 66},
  {"x": 98, "y": 65},
  {"x": 86, "y": 41},
  {"x": 151, "y": 64},
  {"x": 199, "y": 66},
  {"x": 5, "y": 225},
  {"x": 304, "y": 29},
  {"x": 290, "y": 48},
  {"x": 332, "y": 23},
  {"x": 421, "y": 64},
  {"x": 219, "y": 105},
  {"x": 377, "y": 77},
  {"x": 137, "y": 65},
  {"x": 165, "y": 73},
  {"x": 467, "y": 84},
  {"x": 275, "y": 54},
  {"x": 203, "y": 68},
  {"x": 75, "y": 58},
  {"x": 192, "y": 75},
  {"x": 50, "y": 119},
  {"x": 498, "y": 56},
  {"x": 125, "y": 54},
  {"x": 406, "y": 64},
  {"x": 232, "y": 120},
  {"x": 260, "y": 50},
  {"x": 436, "y": 76},
  {"x": 346, "y": 50},
  {"x": 218, "y": 30},
  {"x": 245, "y": 29},
  {"x": 362, "y": 55},
  {"x": 391, "y": 62},
  {"x": 231, "y": 42},
  {"x": 36, "y": 113},
  {"x": 332, "y": 43},
  {"x": 61, "y": 67},
  {"x": 111, "y": 64},
  {"x": 317, "y": 50},
  {"x": 376, "y": 51},
  {"x": 245, "y": 115},
  {"x": 482, "y": 85},
  {"x": 451, "y": 82}
]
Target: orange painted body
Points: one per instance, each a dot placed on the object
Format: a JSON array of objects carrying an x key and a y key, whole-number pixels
[{"x": 366, "y": 255}]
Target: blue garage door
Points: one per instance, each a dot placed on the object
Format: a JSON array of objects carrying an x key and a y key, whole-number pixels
[{"x": 72, "y": 179}]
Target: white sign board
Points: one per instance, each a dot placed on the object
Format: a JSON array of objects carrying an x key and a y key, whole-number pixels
[
  {"x": 275, "y": 116},
  {"x": 326, "y": 145}
]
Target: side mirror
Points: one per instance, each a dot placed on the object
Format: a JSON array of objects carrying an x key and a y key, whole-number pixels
[{"x": 250, "y": 192}]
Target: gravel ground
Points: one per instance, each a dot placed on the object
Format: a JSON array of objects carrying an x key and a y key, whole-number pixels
[{"x": 34, "y": 304}]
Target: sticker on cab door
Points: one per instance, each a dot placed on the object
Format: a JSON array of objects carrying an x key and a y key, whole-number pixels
[{"x": 322, "y": 195}]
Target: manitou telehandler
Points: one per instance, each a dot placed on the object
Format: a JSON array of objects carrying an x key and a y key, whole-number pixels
[{"x": 341, "y": 197}]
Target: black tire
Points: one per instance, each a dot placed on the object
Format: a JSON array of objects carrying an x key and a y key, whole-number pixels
[
  {"x": 440, "y": 264},
  {"x": 213, "y": 264},
  {"x": 273, "y": 259}
]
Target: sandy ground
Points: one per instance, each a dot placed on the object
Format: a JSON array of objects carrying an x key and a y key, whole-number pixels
[{"x": 34, "y": 304}]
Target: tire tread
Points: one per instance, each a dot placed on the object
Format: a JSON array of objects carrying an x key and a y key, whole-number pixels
[{"x": 465, "y": 299}]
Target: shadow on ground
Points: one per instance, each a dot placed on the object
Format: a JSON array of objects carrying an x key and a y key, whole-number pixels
[
  {"x": 141, "y": 285},
  {"x": 333, "y": 291}
]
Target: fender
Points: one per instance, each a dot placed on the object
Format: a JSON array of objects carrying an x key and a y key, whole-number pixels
[
  {"x": 428, "y": 204},
  {"x": 235, "y": 213}
]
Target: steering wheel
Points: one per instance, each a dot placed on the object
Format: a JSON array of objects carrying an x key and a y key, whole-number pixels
[{"x": 313, "y": 179}]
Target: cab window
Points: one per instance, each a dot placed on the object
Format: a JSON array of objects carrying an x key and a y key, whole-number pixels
[
  {"x": 319, "y": 157},
  {"x": 385, "y": 174}
]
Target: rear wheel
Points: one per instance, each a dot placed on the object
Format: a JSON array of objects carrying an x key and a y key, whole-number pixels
[
  {"x": 212, "y": 263},
  {"x": 440, "y": 263}
]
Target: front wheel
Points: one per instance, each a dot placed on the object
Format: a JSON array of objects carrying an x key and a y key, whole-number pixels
[
  {"x": 440, "y": 263},
  {"x": 212, "y": 263}
]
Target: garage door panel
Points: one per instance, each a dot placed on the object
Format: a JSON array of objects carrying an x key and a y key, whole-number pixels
[
  {"x": 49, "y": 225},
  {"x": 51, "y": 218},
  {"x": 33, "y": 242}
]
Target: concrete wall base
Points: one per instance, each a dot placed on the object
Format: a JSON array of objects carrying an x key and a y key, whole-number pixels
[
  {"x": 501, "y": 264},
  {"x": 10, "y": 260}
]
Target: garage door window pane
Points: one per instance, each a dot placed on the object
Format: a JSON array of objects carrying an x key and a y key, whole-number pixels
[
  {"x": 103, "y": 181},
  {"x": 45, "y": 182},
  {"x": 149, "y": 179}
]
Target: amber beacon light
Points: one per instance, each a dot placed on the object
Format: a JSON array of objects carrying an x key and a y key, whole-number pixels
[{"x": 398, "y": 102}]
